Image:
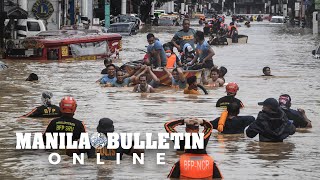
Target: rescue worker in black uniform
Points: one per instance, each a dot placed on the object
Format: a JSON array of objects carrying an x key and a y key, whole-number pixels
[
  {"x": 67, "y": 124},
  {"x": 272, "y": 124},
  {"x": 46, "y": 109},
  {"x": 195, "y": 163}
]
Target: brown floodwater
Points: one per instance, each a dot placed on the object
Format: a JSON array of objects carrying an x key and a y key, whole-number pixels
[{"x": 286, "y": 50}]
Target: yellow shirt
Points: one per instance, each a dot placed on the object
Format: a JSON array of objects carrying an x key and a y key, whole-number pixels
[{"x": 192, "y": 91}]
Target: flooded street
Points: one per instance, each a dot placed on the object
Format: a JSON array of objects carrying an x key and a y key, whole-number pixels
[{"x": 286, "y": 50}]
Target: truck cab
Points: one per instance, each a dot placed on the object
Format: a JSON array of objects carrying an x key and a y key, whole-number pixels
[{"x": 22, "y": 28}]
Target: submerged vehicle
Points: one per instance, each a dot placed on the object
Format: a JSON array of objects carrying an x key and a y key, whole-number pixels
[
  {"x": 124, "y": 28},
  {"x": 65, "y": 45},
  {"x": 278, "y": 20}
]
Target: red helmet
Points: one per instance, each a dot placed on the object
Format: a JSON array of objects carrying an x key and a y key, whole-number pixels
[
  {"x": 68, "y": 105},
  {"x": 232, "y": 87}
]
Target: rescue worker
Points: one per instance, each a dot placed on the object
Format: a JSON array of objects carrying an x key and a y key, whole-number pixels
[
  {"x": 105, "y": 126},
  {"x": 185, "y": 35},
  {"x": 67, "y": 124},
  {"x": 234, "y": 124},
  {"x": 231, "y": 89},
  {"x": 192, "y": 125},
  {"x": 272, "y": 124},
  {"x": 187, "y": 54},
  {"x": 195, "y": 163},
  {"x": 204, "y": 52},
  {"x": 47, "y": 109},
  {"x": 172, "y": 59},
  {"x": 156, "y": 54},
  {"x": 177, "y": 78},
  {"x": 299, "y": 117}
]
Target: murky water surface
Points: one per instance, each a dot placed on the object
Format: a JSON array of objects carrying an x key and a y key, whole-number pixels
[{"x": 286, "y": 51}]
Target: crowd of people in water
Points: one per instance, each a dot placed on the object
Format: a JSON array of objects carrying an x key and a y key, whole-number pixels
[{"x": 274, "y": 123}]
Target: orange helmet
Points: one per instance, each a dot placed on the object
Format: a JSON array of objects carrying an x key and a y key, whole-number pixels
[
  {"x": 232, "y": 87},
  {"x": 68, "y": 105}
]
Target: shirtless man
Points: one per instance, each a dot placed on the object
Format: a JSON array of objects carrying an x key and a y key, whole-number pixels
[
  {"x": 143, "y": 87},
  {"x": 215, "y": 81}
]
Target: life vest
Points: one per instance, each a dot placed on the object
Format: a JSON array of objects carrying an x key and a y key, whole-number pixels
[
  {"x": 197, "y": 166},
  {"x": 222, "y": 120},
  {"x": 171, "y": 61},
  {"x": 190, "y": 91}
]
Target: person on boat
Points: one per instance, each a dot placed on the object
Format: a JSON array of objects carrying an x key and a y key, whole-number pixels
[
  {"x": 106, "y": 126},
  {"x": 266, "y": 71},
  {"x": 67, "y": 124},
  {"x": 156, "y": 54},
  {"x": 187, "y": 54},
  {"x": 204, "y": 52},
  {"x": 177, "y": 78},
  {"x": 32, "y": 77},
  {"x": 172, "y": 59},
  {"x": 152, "y": 79},
  {"x": 143, "y": 86},
  {"x": 188, "y": 165},
  {"x": 187, "y": 168},
  {"x": 122, "y": 80},
  {"x": 299, "y": 117},
  {"x": 272, "y": 124},
  {"x": 231, "y": 89},
  {"x": 215, "y": 78},
  {"x": 192, "y": 126},
  {"x": 233, "y": 32},
  {"x": 185, "y": 35},
  {"x": 47, "y": 109},
  {"x": 233, "y": 124},
  {"x": 193, "y": 86},
  {"x": 110, "y": 78}
]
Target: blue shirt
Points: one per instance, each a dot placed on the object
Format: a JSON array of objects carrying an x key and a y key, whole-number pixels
[
  {"x": 182, "y": 85},
  {"x": 125, "y": 82},
  {"x": 156, "y": 47},
  {"x": 105, "y": 79},
  {"x": 203, "y": 50}
]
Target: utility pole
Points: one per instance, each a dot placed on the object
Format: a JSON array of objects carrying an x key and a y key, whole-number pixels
[
  {"x": 107, "y": 14},
  {"x": 2, "y": 19}
]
